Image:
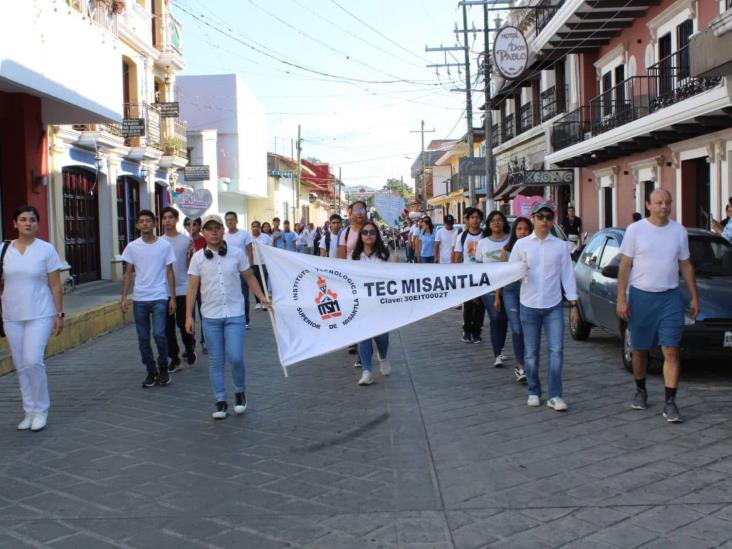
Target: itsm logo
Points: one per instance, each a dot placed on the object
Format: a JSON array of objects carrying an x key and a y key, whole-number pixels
[{"x": 327, "y": 301}]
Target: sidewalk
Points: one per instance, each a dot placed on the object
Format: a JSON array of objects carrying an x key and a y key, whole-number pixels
[
  {"x": 444, "y": 453},
  {"x": 91, "y": 310}
]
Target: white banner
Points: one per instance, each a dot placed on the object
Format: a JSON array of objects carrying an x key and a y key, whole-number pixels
[{"x": 321, "y": 304}]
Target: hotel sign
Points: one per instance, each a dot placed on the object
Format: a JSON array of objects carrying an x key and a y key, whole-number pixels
[
  {"x": 197, "y": 173},
  {"x": 542, "y": 177},
  {"x": 510, "y": 52}
]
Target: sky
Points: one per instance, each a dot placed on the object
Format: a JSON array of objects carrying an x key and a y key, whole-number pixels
[{"x": 352, "y": 74}]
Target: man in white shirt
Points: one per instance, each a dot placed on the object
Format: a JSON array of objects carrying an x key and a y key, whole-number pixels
[
  {"x": 652, "y": 253},
  {"x": 151, "y": 259},
  {"x": 260, "y": 272},
  {"x": 236, "y": 238},
  {"x": 329, "y": 241},
  {"x": 310, "y": 238},
  {"x": 549, "y": 270},
  {"x": 444, "y": 240},
  {"x": 218, "y": 269},
  {"x": 466, "y": 248},
  {"x": 182, "y": 245},
  {"x": 414, "y": 232}
]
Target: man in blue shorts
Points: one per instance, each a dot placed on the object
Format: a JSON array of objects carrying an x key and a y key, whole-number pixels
[{"x": 652, "y": 252}]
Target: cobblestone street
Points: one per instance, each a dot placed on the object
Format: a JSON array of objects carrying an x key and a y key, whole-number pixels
[{"x": 443, "y": 453}]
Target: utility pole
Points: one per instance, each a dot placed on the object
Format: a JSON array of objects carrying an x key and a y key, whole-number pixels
[
  {"x": 423, "y": 183},
  {"x": 468, "y": 104},
  {"x": 296, "y": 183},
  {"x": 488, "y": 116},
  {"x": 340, "y": 182}
]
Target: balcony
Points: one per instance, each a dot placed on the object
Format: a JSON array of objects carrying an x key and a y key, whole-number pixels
[
  {"x": 507, "y": 127},
  {"x": 167, "y": 37},
  {"x": 553, "y": 102},
  {"x": 175, "y": 144},
  {"x": 495, "y": 135},
  {"x": 455, "y": 183},
  {"x": 101, "y": 12},
  {"x": 526, "y": 118},
  {"x": 545, "y": 11},
  {"x": 667, "y": 82}
]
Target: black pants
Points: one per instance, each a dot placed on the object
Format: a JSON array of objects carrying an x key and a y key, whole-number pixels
[
  {"x": 473, "y": 314},
  {"x": 258, "y": 276},
  {"x": 179, "y": 319},
  {"x": 245, "y": 291}
]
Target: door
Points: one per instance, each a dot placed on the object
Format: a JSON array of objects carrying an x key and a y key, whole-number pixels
[
  {"x": 648, "y": 188},
  {"x": 619, "y": 89},
  {"x": 702, "y": 195},
  {"x": 665, "y": 84},
  {"x": 607, "y": 100},
  {"x": 603, "y": 290},
  {"x": 81, "y": 224},
  {"x": 683, "y": 33},
  {"x": 159, "y": 205},
  {"x": 128, "y": 204},
  {"x": 607, "y": 206}
]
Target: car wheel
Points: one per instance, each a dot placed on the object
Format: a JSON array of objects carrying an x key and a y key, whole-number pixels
[
  {"x": 579, "y": 330},
  {"x": 627, "y": 351}
]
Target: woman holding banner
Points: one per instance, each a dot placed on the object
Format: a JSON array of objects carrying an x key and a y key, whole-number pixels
[
  {"x": 370, "y": 247},
  {"x": 507, "y": 298},
  {"x": 495, "y": 237}
]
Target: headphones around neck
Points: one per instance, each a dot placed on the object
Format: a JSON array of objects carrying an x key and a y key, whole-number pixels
[{"x": 209, "y": 254}]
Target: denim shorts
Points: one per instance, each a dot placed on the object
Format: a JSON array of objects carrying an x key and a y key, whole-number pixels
[{"x": 656, "y": 318}]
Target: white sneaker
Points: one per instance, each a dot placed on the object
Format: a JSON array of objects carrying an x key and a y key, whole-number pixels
[
  {"x": 258, "y": 306},
  {"x": 366, "y": 378},
  {"x": 504, "y": 358},
  {"x": 557, "y": 404},
  {"x": 39, "y": 421},
  {"x": 498, "y": 362},
  {"x": 384, "y": 366},
  {"x": 26, "y": 423},
  {"x": 533, "y": 401}
]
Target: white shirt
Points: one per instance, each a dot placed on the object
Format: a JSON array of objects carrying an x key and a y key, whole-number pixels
[
  {"x": 221, "y": 295},
  {"x": 549, "y": 269},
  {"x": 240, "y": 239},
  {"x": 333, "y": 252},
  {"x": 656, "y": 252},
  {"x": 490, "y": 250},
  {"x": 151, "y": 262},
  {"x": 180, "y": 244},
  {"x": 372, "y": 258},
  {"x": 263, "y": 239},
  {"x": 26, "y": 295},
  {"x": 301, "y": 238},
  {"x": 310, "y": 237},
  {"x": 414, "y": 230},
  {"x": 446, "y": 239},
  {"x": 471, "y": 246}
]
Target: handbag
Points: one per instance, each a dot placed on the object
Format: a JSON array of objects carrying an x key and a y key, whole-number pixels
[{"x": 2, "y": 260}]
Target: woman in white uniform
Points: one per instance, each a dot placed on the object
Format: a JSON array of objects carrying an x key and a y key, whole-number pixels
[{"x": 32, "y": 309}]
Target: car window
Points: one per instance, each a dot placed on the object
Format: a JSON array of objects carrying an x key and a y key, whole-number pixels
[
  {"x": 609, "y": 253},
  {"x": 592, "y": 251},
  {"x": 711, "y": 256}
]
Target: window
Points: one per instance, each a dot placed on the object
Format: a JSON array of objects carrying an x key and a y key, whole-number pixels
[
  {"x": 607, "y": 83},
  {"x": 683, "y": 32},
  {"x": 610, "y": 253},
  {"x": 608, "y": 206},
  {"x": 128, "y": 204},
  {"x": 593, "y": 250}
]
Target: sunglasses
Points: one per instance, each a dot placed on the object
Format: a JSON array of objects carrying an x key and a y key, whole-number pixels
[
  {"x": 369, "y": 232},
  {"x": 359, "y": 210},
  {"x": 544, "y": 217}
]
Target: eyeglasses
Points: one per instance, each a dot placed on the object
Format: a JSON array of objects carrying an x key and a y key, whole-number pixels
[
  {"x": 369, "y": 232},
  {"x": 359, "y": 210},
  {"x": 544, "y": 217}
]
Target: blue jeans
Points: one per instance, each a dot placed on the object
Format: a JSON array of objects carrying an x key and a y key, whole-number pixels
[
  {"x": 498, "y": 321},
  {"x": 245, "y": 292},
  {"x": 225, "y": 340},
  {"x": 552, "y": 321},
  {"x": 366, "y": 350},
  {"x": 430, "y": 259},
  {"x": 142, "y": 311},
  {"x": 512, "y": 306}
]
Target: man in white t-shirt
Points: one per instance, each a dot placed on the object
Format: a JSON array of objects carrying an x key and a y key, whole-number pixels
[
  {"x": 239, "y": 238},
  {"x": 151, "y": 259},
  {"x": 466, "y": 248},
  {"x": 217, "y": 270},
  {"x": 444, "y": 240},
  {"x": 182, "y": 245},
  {"x": 309, "y": 238},
  {"x": 329, "y": 241},
  {"x": 652, "y": 253},
  {"x": 260, "y": 272}
]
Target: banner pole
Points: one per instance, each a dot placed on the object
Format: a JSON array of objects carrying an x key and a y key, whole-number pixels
[{"x": 270, "y": 309}]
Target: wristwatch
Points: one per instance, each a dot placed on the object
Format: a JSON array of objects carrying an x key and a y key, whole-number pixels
[
  {"x": 573, "y": 304},
  {"x": 61, "y": 314}
]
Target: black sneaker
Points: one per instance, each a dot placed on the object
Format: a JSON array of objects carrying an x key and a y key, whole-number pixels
[
  {"x": 221, "y": 410},
  {"x": 164, "y": 377},
  {"x": 191, "y": 357},
  {"x": 151, "y": 380},
  {"x": 640, "y": 401},
  {"x": 352, "y": 350},
  {"x": 241, "y": 403},
  {"x": 175, "y": 365},
  {"x": 671, "y": 412},
  {"x": 477, "y": 339},
  {"x": 467, "y": 338}
]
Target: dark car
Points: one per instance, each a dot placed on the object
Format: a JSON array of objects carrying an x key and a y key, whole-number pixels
[{"x": 709, "y": 337}]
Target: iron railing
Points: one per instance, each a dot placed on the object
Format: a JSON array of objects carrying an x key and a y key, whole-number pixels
[
  {"x": 153, "y": 133},
  {"x": 103, "y": 13},
  {"x": 545, "y": 11},
  {"x": 553, "y": 101},
  {"x": 507, "y": 127},
  {"x": 667, "y": 82},
  {"x": 455, "y": 183},
  {"x": 167, "y": 34},
  {"x": 526, "y": 118},
  {"x": 175, "y": 141}
]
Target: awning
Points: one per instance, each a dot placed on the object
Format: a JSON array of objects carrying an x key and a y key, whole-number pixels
[{"x": 445, "y": 198}]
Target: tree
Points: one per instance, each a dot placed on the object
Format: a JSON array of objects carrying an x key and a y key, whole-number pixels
[{"x": 396, "y": 185}]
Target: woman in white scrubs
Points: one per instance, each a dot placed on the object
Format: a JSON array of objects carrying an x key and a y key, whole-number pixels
[{"x": 32, "y": 309}]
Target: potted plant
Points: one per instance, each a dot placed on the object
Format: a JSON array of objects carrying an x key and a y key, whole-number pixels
[
  {"x": 171, "y": 146},
  {"x": 118, "y": 6}
]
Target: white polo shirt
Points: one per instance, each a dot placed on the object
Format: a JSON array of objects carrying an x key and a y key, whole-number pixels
[
  {"x": 221, "y": 295},
  {"x": 549, "y": 269}
]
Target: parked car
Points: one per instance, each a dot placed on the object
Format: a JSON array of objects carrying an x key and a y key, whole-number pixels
[{"x": 709, "y": 337}]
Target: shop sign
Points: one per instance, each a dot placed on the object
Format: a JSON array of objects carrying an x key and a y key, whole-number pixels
[
  {"x": 280, "y": 173},
  {"x": 192, "y": 202},
  {"x": 510, "y": 52},
  {"x": 133, "y": 127},
  {"x": 169, "y": 110},
  {"x": 472, "y": 165},
  {"x": 543, "y": 177},
  {"x": 197, "y": 173}
]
